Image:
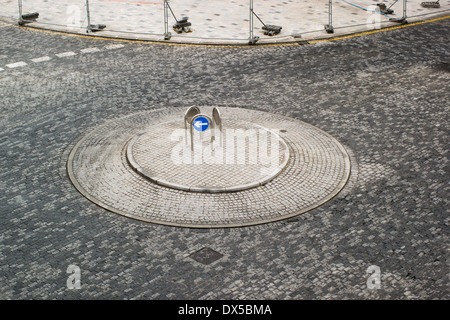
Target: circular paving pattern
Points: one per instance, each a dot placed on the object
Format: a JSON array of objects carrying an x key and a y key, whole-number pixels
[
  {"x": 163, "y": 154},
  {"x": 136, "y": 166}
]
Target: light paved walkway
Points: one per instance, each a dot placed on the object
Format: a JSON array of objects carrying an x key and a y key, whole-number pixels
[{"x": 216, "y": 21}]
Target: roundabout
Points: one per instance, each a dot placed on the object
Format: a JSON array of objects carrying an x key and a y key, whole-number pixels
[
  {"x": 163, "y": 155},
  {"x": 266, "y": 168}
]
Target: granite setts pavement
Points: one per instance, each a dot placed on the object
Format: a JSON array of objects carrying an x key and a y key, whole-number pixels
[{"x": 384, "y": 96}]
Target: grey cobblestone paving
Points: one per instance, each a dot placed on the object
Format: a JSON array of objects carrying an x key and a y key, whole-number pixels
[{"x": 384, "y": 96}]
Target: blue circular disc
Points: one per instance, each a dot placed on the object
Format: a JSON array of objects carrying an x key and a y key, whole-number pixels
[{"x": 201, "y": 124}]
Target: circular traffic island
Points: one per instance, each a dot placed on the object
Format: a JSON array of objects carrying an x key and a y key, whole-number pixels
[
  {"x": 258, "y": 167},
  {"x": 245, "y": 156}
]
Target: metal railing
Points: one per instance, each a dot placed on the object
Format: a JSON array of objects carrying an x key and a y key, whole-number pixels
[{"x": 252, "y": 39}]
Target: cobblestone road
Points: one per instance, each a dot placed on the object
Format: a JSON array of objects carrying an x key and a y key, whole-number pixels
[{"x": 384, "y": 96}]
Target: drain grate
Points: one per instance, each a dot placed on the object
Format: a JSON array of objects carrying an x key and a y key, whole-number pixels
[{"x": 206, "y": 255}]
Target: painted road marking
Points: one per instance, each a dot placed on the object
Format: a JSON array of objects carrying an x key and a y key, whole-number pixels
[
  {"x": 62, "y": 55},
  {"x": 114, "y": 46},
  {"x": 65, "y": 54},
  {"x": 41, "y": 59},
  {"x": 90, "y": 50},
  {"x": 16, "y": 64}
]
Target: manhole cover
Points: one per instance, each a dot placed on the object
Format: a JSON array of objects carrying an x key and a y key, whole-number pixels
[
  {"x": 206, "y": 255},
  {"x": 139, "y": 166}
]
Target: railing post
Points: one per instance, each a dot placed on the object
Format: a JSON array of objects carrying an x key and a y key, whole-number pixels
[
  {"x": 329, "y": 27},
  {"x": 167, "y": 34},
  {"x": 20, "y": 10},
  {"x": 401, "y": 20},
  {"x": 88, "y": 17},
  {"x": 404, "y": 10},
  {"x": 251, "y": 39},
  {"x": 251, "y": 21}
]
